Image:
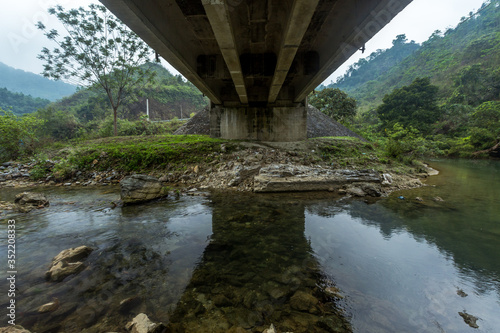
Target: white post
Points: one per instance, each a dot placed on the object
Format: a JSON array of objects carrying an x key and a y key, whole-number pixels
[{"x": 147, "y": 108}]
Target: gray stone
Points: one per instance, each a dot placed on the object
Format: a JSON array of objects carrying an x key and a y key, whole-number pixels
[
  {"x": 49, "y": 307},
  {"x": 371, "y": 190},
  {"x": 28, "y": 201},
  {"x": 141, "y": 188},
  {"x": 67, "y": 263},
  {"x": 356, "y": 191},
  {"x": 293, "y": 178},
  {"x": 142, "y": 324}
]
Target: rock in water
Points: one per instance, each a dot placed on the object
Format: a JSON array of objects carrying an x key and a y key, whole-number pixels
[
  {"x": 469, "y": 319},
  {"x": 49, "y": 307},
  {"x": 28, "y": 201},
  {"x": 74, "y": 254},
  {"x": 141, "y": 188},
  {"x": 142, "y": 324},
  {"x": 67, "y": 263}
]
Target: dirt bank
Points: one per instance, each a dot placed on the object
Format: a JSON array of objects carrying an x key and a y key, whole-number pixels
[{"x": 341, "y": 165}]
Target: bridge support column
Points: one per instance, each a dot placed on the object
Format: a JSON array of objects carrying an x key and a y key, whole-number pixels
[{"x": 279, "y": 124}]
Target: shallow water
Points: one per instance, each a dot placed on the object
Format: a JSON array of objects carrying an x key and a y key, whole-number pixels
[{"x": 304, "y": 262}]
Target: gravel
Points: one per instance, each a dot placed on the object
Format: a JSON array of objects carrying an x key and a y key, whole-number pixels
[{"x": 318, "y": 125}]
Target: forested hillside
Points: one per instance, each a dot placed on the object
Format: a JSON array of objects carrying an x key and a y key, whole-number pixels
[
  {"x": 27, "y": 83},
  {"x": 169, "y": 96},
  {"x": 20, "y": 103},
  {"x": 465, "y": 59}
]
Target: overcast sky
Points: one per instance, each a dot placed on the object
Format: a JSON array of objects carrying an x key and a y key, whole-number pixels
[{"x": 20, "y": 41}]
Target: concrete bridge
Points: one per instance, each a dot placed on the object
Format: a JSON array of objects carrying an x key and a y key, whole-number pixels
[{"x": 257, "y": 60}]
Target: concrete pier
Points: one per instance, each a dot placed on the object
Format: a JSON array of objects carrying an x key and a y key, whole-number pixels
[{"x": 257, "y": 61}]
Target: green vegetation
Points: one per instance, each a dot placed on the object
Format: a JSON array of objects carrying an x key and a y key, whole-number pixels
[
  {"x": 17, "y": 134},
  {"x": 375, "y": 65},
  {"x": 20, "y": 103},
  {"x": 414, "y": 105},
  {"x": 442, "y": 58},
  {"x": 134, "y": 153},
  {"x": 98, "y": 51},
  {"x": 440, "y": 98},
  {"x": 334, "y": 103}
]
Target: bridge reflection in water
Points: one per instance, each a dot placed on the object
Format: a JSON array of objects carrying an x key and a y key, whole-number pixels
[
  {"x": 257, "y": 269},
  {"x": 232, "y": 262}
]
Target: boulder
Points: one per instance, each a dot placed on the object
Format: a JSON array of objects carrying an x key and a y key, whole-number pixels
[
  {"x": 295, "y": 178},
  {"x": 62, "y": 269},
  {"x": 49, "y": 307},
  {"x": 355, "y": 191},
  {"x": 67, "y": 263},
  {"x": 141, "y": 188},
  {"x": 303, "y": 301},
  {"x": 28, "y": 201},
  {"x": 74, "y": 254},
  {"x": 142, "y": 324}
]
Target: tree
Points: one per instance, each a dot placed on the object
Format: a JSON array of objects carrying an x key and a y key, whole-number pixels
[
  {"x": 334, "y": 103},
  {"x": 99, "y": 51},
  {"x": 474, "y": 85},
  {"x": 414, "y": 105}
]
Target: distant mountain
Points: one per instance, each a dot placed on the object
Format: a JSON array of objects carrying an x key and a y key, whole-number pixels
[
  {"x": 464, "y": 58},
  {"x": 20, "y": 103},
  {"x": 16, "y": 80}
]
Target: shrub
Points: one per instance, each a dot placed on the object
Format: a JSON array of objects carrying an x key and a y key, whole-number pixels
[
  {"x": 334, "y": 103},
  {"x": 17, "y": 134},
  {"x": 58, "y": 124},
  {"x": 482, "y": 138},
  {"x": 404, "y": 143}
]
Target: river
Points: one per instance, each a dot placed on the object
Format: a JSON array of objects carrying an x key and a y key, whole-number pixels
[{"x": 236, "y": 262}]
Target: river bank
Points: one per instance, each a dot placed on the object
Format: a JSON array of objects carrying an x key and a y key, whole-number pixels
[{"x": 343, "y": 166}]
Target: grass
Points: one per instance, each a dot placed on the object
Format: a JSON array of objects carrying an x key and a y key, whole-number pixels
[
  {"x": 136, "y": 153},
  {"x": 160, "y": 153}
]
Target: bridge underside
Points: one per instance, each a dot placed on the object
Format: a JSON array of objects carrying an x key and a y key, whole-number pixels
[{"x": 257, "y": 60}]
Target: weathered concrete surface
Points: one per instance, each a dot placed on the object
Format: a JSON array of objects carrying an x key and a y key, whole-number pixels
[
  {"x": 285, "y": 178},
  {"x": 318, "y": 125},
  {"x": 262, "y": 124}
]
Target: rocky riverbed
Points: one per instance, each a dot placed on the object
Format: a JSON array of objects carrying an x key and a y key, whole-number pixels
[{"x": 251, "y": 166}]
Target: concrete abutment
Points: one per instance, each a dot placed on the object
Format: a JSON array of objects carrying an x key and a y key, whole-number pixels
[{"x": 278, "y": 124}]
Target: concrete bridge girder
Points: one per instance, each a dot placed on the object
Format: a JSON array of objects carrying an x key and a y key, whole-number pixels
[{"x": 256, "y": 53}]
